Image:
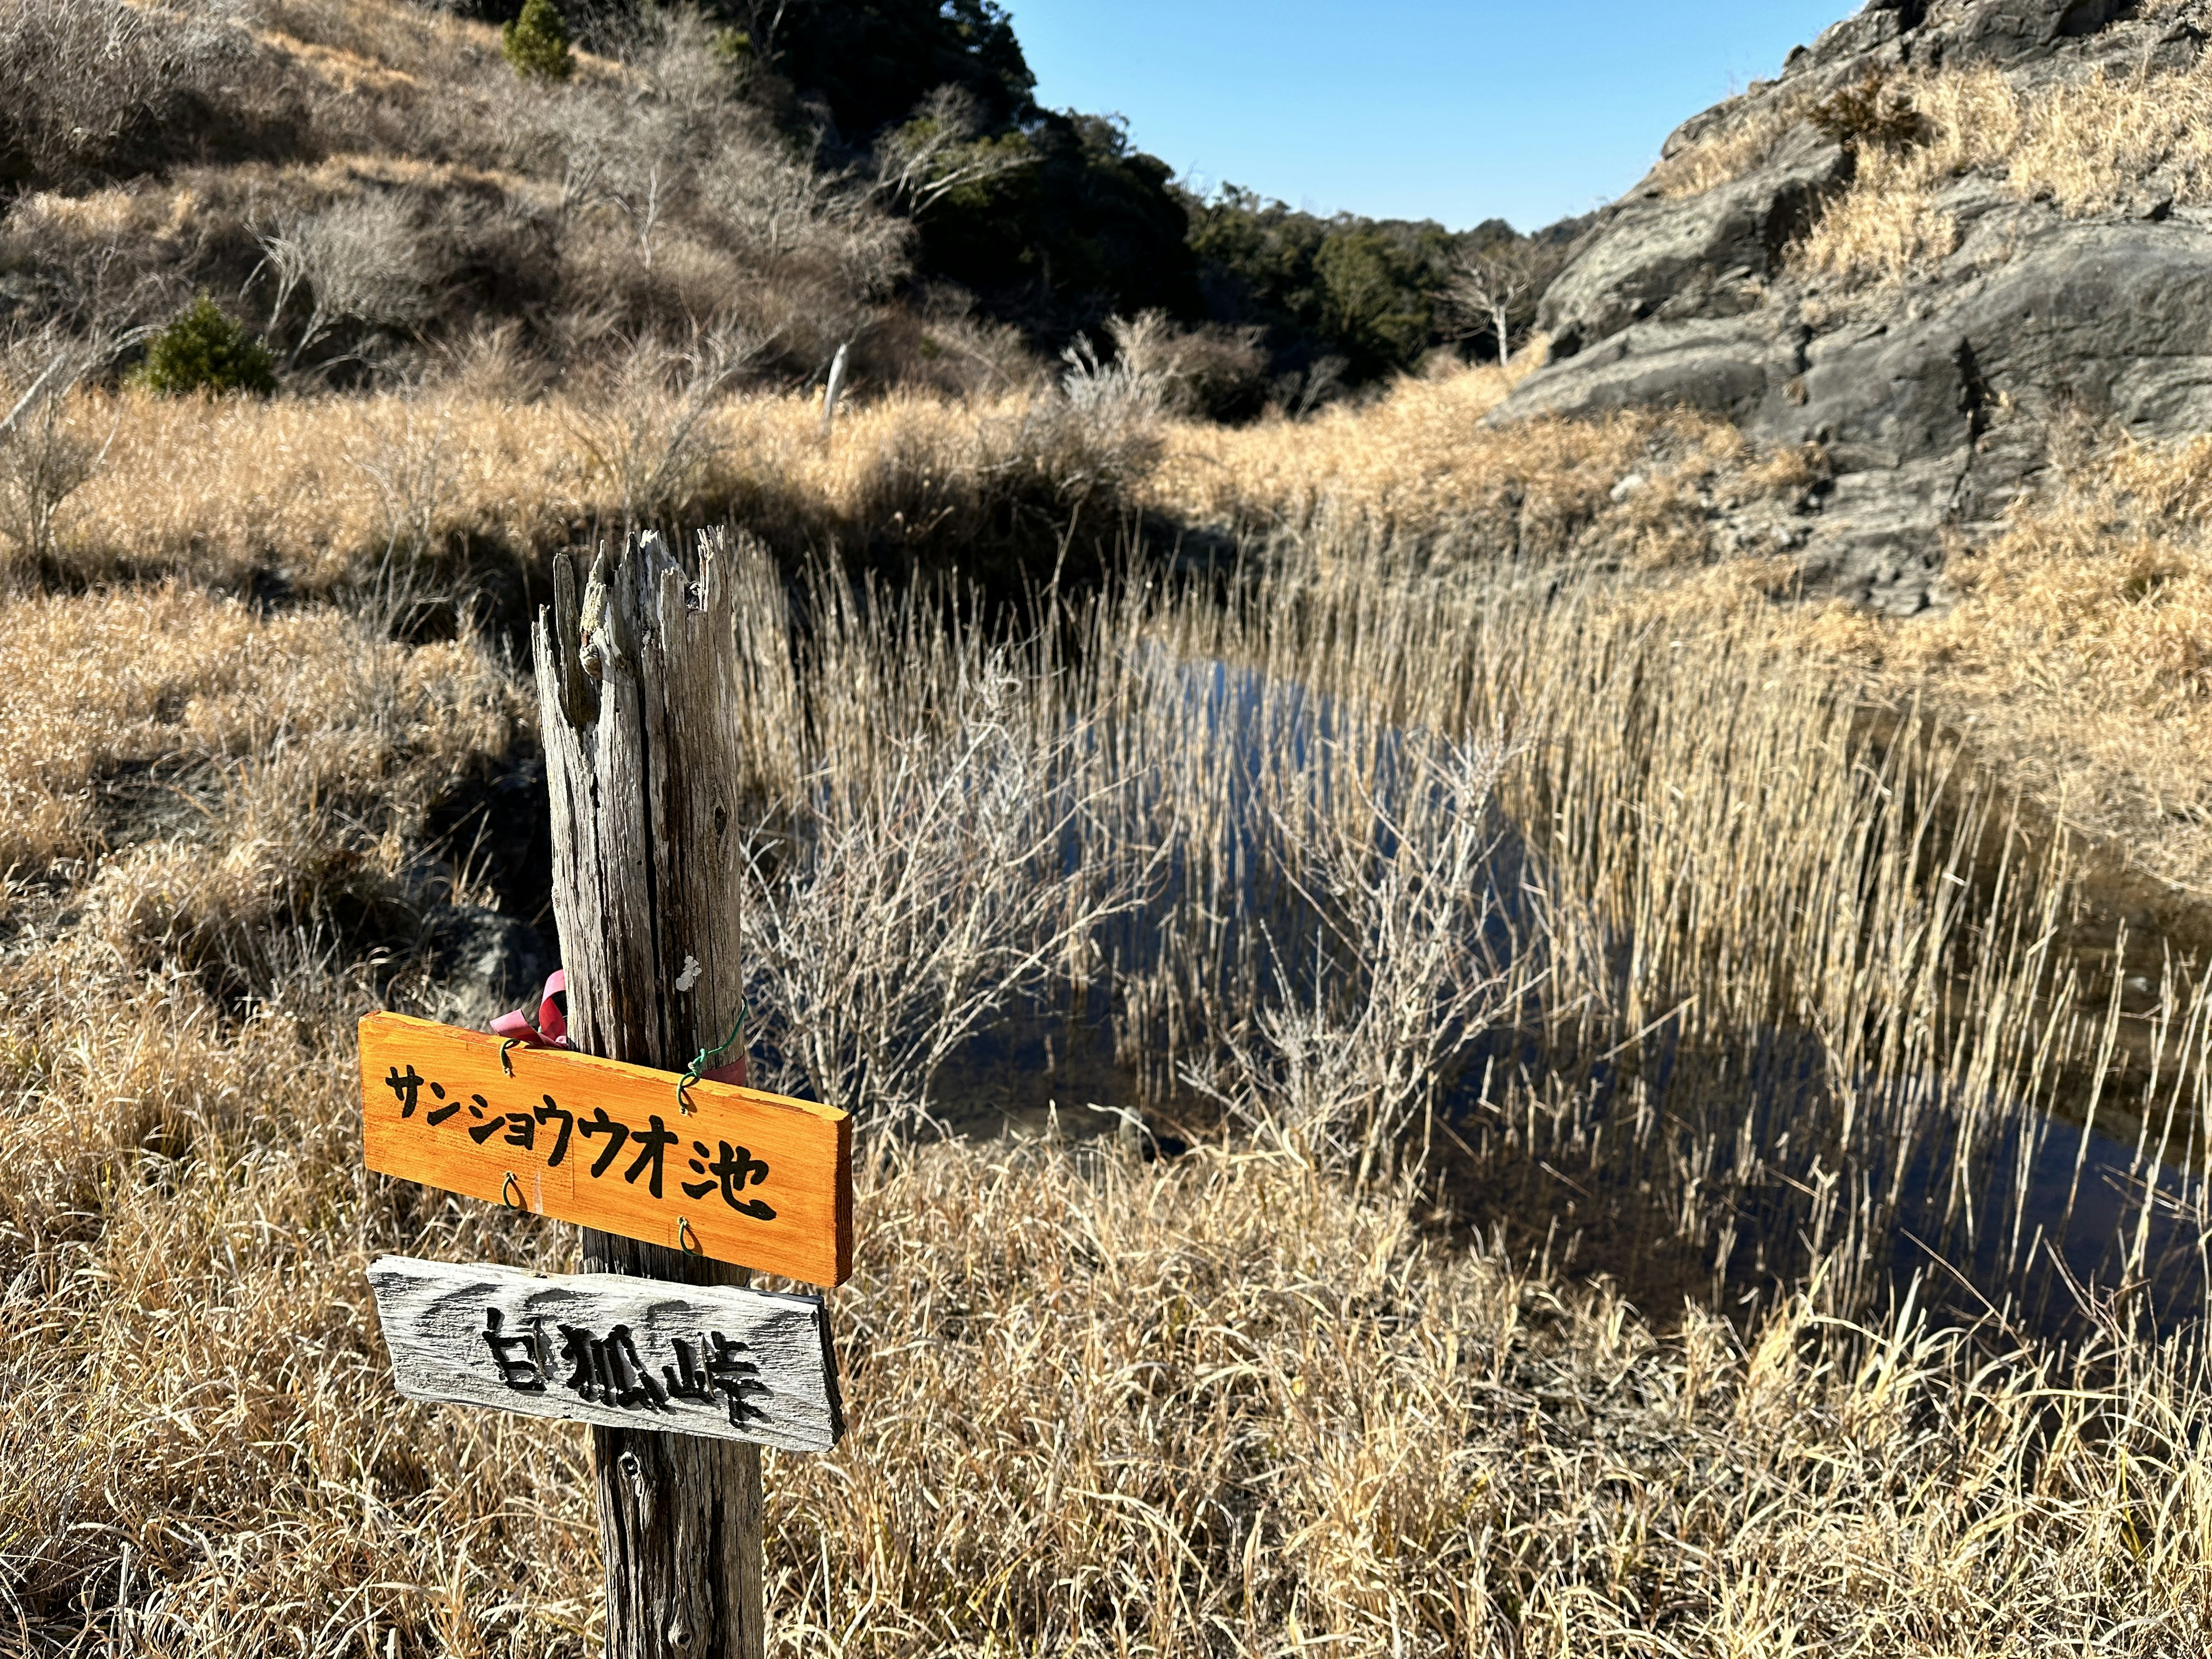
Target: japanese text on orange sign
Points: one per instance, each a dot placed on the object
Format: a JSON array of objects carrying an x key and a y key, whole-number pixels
[{"x": 744, "y": 1176}]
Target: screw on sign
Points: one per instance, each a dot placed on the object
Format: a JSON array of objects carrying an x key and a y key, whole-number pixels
[{"x": 683, "y": 1183}]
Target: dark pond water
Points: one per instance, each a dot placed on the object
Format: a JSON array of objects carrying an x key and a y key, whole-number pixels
[{"x": 1715, "y": 1174}]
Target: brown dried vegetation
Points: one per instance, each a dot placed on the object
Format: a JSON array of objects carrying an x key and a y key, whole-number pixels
[
  {"x": 1264, "y": 1394},
  {"x": 2098, "y": 145},
  {"x": 1491, "y": 775},
  {"x": 369, "y": 182}
]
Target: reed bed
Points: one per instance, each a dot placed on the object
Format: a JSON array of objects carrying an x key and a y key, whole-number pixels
[
  {"x": 1707, "y": 930},
  {"x": 1475, "y": 937}
]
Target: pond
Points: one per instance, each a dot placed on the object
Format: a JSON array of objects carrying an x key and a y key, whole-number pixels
[{"x": 1726, "y": 1160}]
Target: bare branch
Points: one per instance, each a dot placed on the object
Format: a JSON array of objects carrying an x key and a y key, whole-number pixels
[
  {"x": 939, "y": 150},
  {"x": 1482, "y": 292}
]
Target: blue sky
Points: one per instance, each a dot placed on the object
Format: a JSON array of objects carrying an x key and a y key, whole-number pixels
[{"x": 1410, "y": 108}]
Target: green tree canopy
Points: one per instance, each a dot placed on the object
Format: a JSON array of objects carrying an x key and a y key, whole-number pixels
[
  {"x": 1365, "y": 291},
  {"x": 1089, "y": 227},
  {"x": 871, "y": 62}
]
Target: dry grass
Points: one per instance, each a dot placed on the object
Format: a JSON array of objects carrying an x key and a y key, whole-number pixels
[
  {"x": 1727, "y": 152},
  {"x": 1854, "y": 925},
  {"x": 206, "y": 787},
  {"x": 1216, "y": 1405},
  {"x": 278, "y": 156},
  {"x": 1252, "y": 1399},
  {"x": 2098, "y": 145},
  {"x": 2077, "y": 650},
  {"x": 1419, "y": 464},
  {"x": 2074, "y": 655},
  {"x": 321, "y": 490},
  {"x": 1405, "y": 454}
]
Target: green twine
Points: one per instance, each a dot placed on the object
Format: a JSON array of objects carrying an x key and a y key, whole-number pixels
[{"x": 700, "y": 1061}]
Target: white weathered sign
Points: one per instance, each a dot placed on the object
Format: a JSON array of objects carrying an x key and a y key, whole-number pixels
[{"x": 608, "y": 1348}]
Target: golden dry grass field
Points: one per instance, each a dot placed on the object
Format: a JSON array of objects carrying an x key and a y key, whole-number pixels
[{"x": 1298, "y": 1388}]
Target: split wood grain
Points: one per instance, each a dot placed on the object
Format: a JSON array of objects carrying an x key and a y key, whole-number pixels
[
  {"x": 744, "y": 1176},
  {"x": 717, "y": 1361},
  {"x": 637, "y": 689}
]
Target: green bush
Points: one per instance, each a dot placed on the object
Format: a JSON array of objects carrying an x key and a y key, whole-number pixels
[
  {"x": 203, "y": 350},
  {"x": 537, "y": 42}
]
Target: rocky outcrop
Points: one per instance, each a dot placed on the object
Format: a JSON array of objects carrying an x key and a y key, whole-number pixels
[{"x": 1934, "y": 402}]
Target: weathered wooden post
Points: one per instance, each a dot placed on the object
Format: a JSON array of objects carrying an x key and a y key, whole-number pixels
[
  {"x": 626, "y": 1119},
  {"x": 637, "y": 694}
]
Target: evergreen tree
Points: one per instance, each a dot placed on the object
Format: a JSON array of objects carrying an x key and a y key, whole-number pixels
[
  {"x": 537, "y": 42},
  {"x": 203, "y": 350}
]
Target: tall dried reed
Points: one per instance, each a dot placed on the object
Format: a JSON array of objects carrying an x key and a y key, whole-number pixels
[
  {"x": 2076, "y": 657},
  {"x": 1785, "y": 969}
]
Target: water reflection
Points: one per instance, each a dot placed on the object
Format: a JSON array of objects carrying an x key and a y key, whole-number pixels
[{"x": 1726, "y": 1164}]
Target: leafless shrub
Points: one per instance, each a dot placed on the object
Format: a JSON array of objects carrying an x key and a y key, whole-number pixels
[
  {"x": 1302, "y": 391},
  {"x": 679, "y": 197},
  {"x": 938, "y": 340},
  {"x": 647, "y": 433},
  {"x": 1102, "y": 430},
  {"x": 360, "y": 260},
  {"x": 783, "y": 210},
  {"x": 911, "y": 905},
  {"x": 48, "y": 448},
  {"x": 1340, "y": 1062},
  {"x": 629, "y": 157},
  {"x": 1213, "y": 369},
  {"x": 909, "y": 921},
  {"x": 491, "y": 365},
  {"x": 89, "y": 264},
  {"x": 98, "y": 87},
  {"x": 938, "y": 150},
  {"x": 45, "y": 458},
  {"x": 672, "y": 49}
]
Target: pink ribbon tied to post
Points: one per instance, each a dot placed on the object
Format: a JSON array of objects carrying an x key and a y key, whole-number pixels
[{"x": 551, "y": 1030}]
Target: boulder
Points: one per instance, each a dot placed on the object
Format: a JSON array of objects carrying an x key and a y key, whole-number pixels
[{"x": 1935, "y": 402}]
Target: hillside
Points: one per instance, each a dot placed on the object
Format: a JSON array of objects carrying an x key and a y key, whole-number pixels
[
  {"x": 374, "y": 190},
  {"x": 1949, "y": 245}
]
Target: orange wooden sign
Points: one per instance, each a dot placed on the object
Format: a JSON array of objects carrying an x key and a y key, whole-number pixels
[{"x": 747, "y": 1177}]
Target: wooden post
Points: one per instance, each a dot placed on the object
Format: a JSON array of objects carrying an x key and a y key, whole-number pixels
[{"x": 637, "y": 689}]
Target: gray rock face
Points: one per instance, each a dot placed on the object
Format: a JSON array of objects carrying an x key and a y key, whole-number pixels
[{"x": 1935, "y": 406}]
